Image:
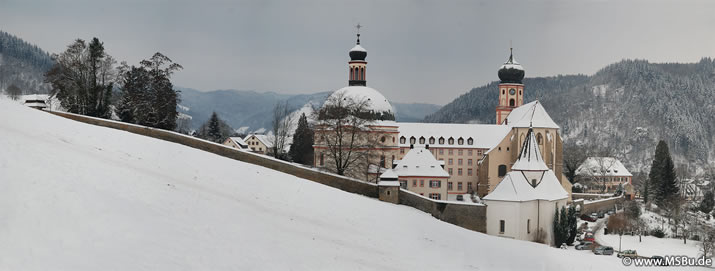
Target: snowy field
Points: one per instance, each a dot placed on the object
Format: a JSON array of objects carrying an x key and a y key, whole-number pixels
[{"x": 80, "y": 197}]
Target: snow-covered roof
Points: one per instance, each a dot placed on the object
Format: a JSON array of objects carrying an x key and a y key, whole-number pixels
[
  {"x": 389, "y": 174},
  {"x": 377, "y": 102},
  {"x": 482, "y": 135},
  {"x": 597, "y": 166},
  {"x": 529, "y": 155},
  {"x": 532, "y": 114},
  {"x": 34, "y": 98},
  {"x": 358, "y": 48},
  {"x": 515, "y": 187},
  {"x": 419, "y": 162},
  {"x": 239, "y": 141},
  {"x": 265, "y": 139}
]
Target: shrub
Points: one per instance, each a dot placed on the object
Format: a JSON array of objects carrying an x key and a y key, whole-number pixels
[{"x": 657, "y": 233}]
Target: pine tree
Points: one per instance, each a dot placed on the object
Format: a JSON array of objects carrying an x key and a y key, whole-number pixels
[
  {"x": 662, "y": 174},
  {"x": 706, "y": 206},
  {"x": 301, "y": 151},
  {"x": 572, "y": 225},
  {"x": 214, "y": 133},
  {"x": 557, "y": 228},
  {"x": 646, "y": 191}
]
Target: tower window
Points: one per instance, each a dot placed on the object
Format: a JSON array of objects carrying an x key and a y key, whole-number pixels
[
  {"x": 512, "y": 102},
  {"x": 402, "y": 140}
]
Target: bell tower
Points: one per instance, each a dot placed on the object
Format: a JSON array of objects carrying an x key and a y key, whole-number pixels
[
  {"x": 357, "y": 63},
  {"x": 511, "y": 89}
]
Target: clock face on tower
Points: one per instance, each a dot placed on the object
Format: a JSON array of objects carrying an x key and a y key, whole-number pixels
[{"x": 512, "y": 91}]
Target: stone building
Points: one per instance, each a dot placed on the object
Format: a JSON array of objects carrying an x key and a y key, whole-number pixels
[
  {"x": 418, "y": 171},
  {"x": 603, "y": 174},
  {"x": 476, "y": 156},
  {"x": 522, "y": 206}
]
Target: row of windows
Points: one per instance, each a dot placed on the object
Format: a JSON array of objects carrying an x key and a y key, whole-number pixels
[
  {"x": 432, "y": 140},
  {"x": 470, "y": 172},
  {"x": 432, "y": 183},
  {"x": 450, "y": 152},
  {"x": 450, "y": 187},
  {"x": 450, "y": 161},
  {"x": 357, "y": 73}
]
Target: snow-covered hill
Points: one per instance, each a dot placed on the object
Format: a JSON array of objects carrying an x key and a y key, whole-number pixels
[{"x": 80, "y": 197}]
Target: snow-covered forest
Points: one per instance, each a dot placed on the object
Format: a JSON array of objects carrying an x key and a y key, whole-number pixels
[{"x": 625, "y": 107}]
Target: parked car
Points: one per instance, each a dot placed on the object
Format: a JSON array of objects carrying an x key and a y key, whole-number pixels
[
  {"x": 460, "y": 197},
  {"x": 588, "y": 236},
  {"x": 588, "y": 218},
  {"x": 594, "y": 216},
  {"x": 611, "y": 212},
  {"x": 627, "y": 253},
  {"x": 603, "y": 250},
  {"x": 586, "y": 245},
  {"x": 601, "y": 215}
]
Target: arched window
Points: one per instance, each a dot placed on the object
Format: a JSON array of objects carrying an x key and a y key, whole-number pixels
[
  {"x": 451, "y": 141},
  {"x": 403, "y": 140},
  {"x": 362, "y": 70},
  {"x": 512, "y": 102},
  {"x": 431, "y": 140},
  {"x": 470, "y": 141},
  {"x": 382, "y": 161},
  {"x": 322, "y": 159},
  {"x": 412, "y": 140},
  {"x": 539, "y": 139},
  {"x": 502, "y": 170},
  {"x": 460, "y": 141},
  {"x": 503, "y": 91},
  {"x": 422, "y": 140},
  {"x": 441, "y": 140},
  {"x": 352, "y": 73},
  {"x": 382, "y": 139}
]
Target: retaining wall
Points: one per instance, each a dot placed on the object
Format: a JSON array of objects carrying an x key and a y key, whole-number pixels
[
  {"x": 601, "y": 205},
  {"x": 465, "y": 215},
  {"x": 469, "y": 216}
]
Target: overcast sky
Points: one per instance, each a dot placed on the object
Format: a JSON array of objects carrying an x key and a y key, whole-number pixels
[{"x": 418, "y": 51}]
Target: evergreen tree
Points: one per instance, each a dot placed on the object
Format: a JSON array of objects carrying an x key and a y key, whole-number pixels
[
  {"x": 646, "y": 191},
  {"x": 662, "y": 174},
  {"x": 301, "y": 151},
  {"x": 214, "y": 133},
  {"x": 557, "y": 228},
  {"x": 706, "y": 206},
  {"x": 148, "y": 96},
  {"x": 572, "y": 225}
]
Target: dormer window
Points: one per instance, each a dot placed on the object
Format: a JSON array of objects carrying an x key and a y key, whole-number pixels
[
  {"x": 403, "y": 140},
  {"x": 431, "y": 140},
  {"x": 460, "y": 141},
  {"x": 441, "y": 140},
  {"x": 412, "y": 140},
  {"x": 470, "y": 141},
  {"x": 422, "y": 140},
  {"x": 451, "y": 141}
]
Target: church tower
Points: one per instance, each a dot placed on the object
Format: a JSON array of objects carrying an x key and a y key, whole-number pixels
[
  {"x": 357, "y": 63},
  {"x": 511, "y": 89}
]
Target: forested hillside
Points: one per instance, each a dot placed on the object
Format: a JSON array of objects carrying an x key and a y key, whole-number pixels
[
  {"x": 22, "y": 64},
  {"x": 623, "y": 108}
]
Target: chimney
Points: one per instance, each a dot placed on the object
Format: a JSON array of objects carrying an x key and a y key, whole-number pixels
[
  {"x": 427, "y": 146},
  {"x": 412, "y": 146}
]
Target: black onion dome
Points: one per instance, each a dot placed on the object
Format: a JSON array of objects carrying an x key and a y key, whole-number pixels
[
  {"x": 358, "y": 53},
  {"x": 511, "y": 71}
]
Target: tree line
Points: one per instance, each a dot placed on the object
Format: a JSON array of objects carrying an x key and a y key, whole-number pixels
[{"x": 87, "y": 80}]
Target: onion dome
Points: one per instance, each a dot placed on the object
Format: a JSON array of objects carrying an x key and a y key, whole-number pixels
[
  {"x": 511, "y": 71},
  {"x": 358, "y": 53}
]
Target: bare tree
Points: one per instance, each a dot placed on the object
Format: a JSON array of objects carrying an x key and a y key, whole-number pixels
[
  {"x": 342, "y": 133},
  {"x": 707, "y": 246},
  {"x": 282, "y": 127},
  {"x": 573, "y": 155},
  {"x": 13, "y": 92},
  {"x": 619, "y": 224}
]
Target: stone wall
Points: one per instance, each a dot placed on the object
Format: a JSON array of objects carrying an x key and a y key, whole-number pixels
[
  {"x": 339, "y": 182},
  {"x": 469, "y": 216},
  {"x": 590, "y": 196},
  {"x": 602, "y": 205}
]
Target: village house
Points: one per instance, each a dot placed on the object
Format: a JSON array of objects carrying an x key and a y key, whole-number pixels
[
  {"x": 418, "y": 171},
  {"x": 236, "y": 142},
  {"x": 262, "y": 144},
  {"x": 603, "y": 175}
]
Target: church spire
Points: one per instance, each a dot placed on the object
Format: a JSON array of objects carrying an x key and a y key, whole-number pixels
[
  {"x": 530, "y": 158},
  {"x": 357, "y": 63}
]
